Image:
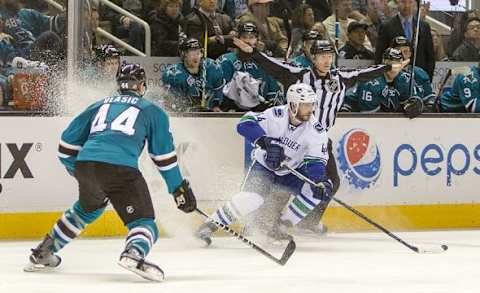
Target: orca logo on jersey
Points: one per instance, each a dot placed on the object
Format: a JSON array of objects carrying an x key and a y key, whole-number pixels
[{"x": 359, "y": 159}]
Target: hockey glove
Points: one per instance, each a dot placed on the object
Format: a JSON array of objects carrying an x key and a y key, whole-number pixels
[
  {"x": 412, "y": 107},
  {"x": 275, "y": 154},
  {"x": 323, "y": 194},
  {"x": 184, "y": 197}
]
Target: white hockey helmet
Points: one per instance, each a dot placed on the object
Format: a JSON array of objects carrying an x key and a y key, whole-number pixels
[{"x": 300, "y": 93}]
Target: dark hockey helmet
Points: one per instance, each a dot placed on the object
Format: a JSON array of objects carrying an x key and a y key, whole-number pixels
[
  {"x": 322, "y": 47},
  {"x": 311, "y": 35},
  {"x": 400, "y": 41},
  {"x": 392, "y": 54},
  {"x": 248, "y": 27},
  {"x": 189, "y": 44},
  {"x": 103, "y": 52},
  {"x": 130, "y": 76}
]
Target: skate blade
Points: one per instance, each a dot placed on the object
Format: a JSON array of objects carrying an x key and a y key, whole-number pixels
[
  {"x": 151, "y": 273},
  {"x": 31, "y": 268},
  {"x": 205, "y": 242}
]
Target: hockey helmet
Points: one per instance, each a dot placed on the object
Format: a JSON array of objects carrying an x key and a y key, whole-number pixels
[
  {"x": 248, "y": 27},
  {"x": 102, "y": 52},
  {"x": 300, "y": 93},
  {"x": 130, "y": 76},
  {"x": 311, "y": 35},
  {"x": 392, "y": 54},
  {"x": 189, "y": 44},
  {"x": 400, "y": 41},
  {"x": 322, "y": 47}
]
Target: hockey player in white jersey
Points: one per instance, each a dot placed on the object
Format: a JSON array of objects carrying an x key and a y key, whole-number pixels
[{"x": 290, "y": 135}]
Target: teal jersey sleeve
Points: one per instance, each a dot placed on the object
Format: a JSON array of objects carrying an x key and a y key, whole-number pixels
[
  {"x": 423, "y": 87},
  {"x": 74, "y": 137},
  {"x": 34, "y": 21},
  {"x": 467, "y": 87},
  {"x": 227, "y": 64},
  {"x": 367, "y": 96},
  {"x": 215, "y": 83},
  {"x": 161, "y": 147},
  {"x": 301, "y": 61}
]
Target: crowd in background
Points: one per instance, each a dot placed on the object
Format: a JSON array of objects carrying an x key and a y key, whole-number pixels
[{"x": 31, "y": 36}]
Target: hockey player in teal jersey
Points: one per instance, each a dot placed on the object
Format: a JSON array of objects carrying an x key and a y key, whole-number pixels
[
  {"x": 195, "y": 83},
  {"x": 423, "y": 85},
  {"x": 305, "y": 59},
  {"x": 248, "y": 87},
  {"x": 100, "y": 148},
  {"x": 387, "y": 93},
  {"x": 105, "y": 63},
  {"x": 464, "y": 95}
]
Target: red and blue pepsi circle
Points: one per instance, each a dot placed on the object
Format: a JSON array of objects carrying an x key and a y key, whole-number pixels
[{"x": 359, "y": 158}]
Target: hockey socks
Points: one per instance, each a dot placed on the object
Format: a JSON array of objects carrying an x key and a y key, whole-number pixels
[
  {"x": 71, "y": 224},
  {"x": 142, "y": 234},
  {"x": 241, "y": 205},
  {"x": 299, "y": 208}
]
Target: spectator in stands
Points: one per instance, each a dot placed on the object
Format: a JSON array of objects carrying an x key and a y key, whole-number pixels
[
  {"x": 31, "y": 30},
  {"x": 469, "y": 50},
  {"x": 305, "y": 59},
  {"x": 195, "y": 84},
  {"x": 344, "y": 9},
  {"x": 302, "y": 22},
  {"x": 235, "y": 8},
  {"x": 165, "y": 22},
  {"x": 321, "y": 8},
  {"x": 423, "y": 86},
  {"x": 271, "y": 39},
  {"x": 217, "y": 25},
  {"x": 403, "y": 24},
  {"x": 438, "y": 47},
  {"x": 458, "y": 30},
  {"x": 354, "y": 48},
  {"x": 125, "y": 27},
  {"x": 387, "y": 93},
  {"x": 187, "y": 6},
  {"x": 247, "y": 87}
]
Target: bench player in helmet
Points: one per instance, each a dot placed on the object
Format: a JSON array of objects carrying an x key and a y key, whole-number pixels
[
  {"x": 100, "y": 148},
  {"x": 387, "y": 93},
  {"x": 287, "y": 134},
  {"x": 248, "y": 86},
  {"x": 464, "y": 94},
  {"x": 305, "y": 59},
  {"x": 423, "y": 85},
  {"x": 192, "y": 80}
]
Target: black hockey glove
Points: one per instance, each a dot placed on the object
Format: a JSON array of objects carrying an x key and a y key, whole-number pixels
[
  {"x": 275, "y": 153},
  {"x": 184, "y": 197},
  {"x": 323, "y": 194},
  {"x": 412, "y": 107}
]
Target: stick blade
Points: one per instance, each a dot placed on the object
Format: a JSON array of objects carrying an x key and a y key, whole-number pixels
[
  {"x": 289, "y": 250},
  {"x": 432, "y": 250}
]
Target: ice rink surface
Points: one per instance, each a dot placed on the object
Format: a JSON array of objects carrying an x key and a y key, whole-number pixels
[{"x": 356, "y": 263}]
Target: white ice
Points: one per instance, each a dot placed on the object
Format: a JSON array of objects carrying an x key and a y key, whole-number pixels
[{"x": 357, "y": 263}]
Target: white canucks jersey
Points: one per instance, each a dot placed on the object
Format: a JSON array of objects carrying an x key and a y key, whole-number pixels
[{"x": 302, "y": 143}]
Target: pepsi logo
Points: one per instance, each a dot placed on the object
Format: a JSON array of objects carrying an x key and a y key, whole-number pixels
[{"x": 359, "y": 159}]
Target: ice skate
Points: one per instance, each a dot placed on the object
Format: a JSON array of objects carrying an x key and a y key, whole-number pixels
[
  {"x": 205, "y": 232},
  {"x": 42, "y": 257},
  {"x": 318, "y": 230},
  {"x": 279, "y": 232},
  {"x": 131, "y": 260}
]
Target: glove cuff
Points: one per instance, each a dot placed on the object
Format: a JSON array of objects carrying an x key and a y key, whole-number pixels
[{"x": 261, "y": 142}]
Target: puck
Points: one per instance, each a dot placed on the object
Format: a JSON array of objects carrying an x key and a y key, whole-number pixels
[{"x": 444, "y": 247}]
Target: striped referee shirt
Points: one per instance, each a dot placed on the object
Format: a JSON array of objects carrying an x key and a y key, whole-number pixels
[{"x": 330, "y": 89}]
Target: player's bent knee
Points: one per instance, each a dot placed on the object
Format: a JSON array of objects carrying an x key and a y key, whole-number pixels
[{"x": 246, "y": 202}]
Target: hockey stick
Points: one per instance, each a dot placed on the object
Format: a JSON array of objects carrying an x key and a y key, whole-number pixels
[
  {"x": 414, "y": 48},
  {"x": 440, "y": 249},
  {"x": 289, "y": 250}
]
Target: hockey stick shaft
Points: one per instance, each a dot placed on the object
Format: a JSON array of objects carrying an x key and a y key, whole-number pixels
[
  {"x": 282, "y": 261},
  {"x": 359, "y": 214},
  {"x": 416, "y": 33}
]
